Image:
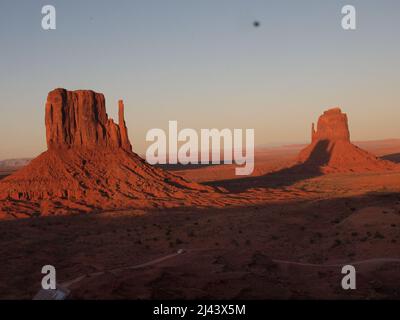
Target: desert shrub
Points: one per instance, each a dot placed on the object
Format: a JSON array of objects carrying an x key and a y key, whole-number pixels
[
  {"x": 191, "y": 234},
  {"x": 379, "y": 235}
]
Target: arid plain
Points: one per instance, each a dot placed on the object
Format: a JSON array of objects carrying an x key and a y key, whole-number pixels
[{"x": 232, "y": 251}]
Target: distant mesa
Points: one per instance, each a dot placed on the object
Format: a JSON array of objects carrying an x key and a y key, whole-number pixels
[
  {"x": 14, "y": 163},
  {"x": 89, "y": 166},
  {"x": 331, "y": 150}
]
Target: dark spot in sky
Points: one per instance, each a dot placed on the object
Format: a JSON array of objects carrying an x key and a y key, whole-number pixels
[{"x": 256, "y": 24}]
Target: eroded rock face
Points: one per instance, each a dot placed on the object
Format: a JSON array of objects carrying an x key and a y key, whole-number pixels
[
  {"x": 332, "y": 126},
  {"x": 79, "y": 119}
]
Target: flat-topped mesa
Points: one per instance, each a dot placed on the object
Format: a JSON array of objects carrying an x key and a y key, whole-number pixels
[
  {"x": 332, "y": 126},
  {"x": 79, "y": 119}
]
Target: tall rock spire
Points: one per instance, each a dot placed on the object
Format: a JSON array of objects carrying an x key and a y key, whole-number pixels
[
  {"x": 313, "y": 137},
  {"x": 125, "y": 144}
]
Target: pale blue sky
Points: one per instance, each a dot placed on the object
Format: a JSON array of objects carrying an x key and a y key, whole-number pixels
[{"x": 202, "y": 62}]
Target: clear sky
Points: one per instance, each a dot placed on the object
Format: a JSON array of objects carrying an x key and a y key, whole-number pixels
[{"x": 203, "y": 63}]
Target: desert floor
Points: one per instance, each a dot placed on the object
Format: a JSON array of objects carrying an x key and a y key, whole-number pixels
[{"x": 290, "y": 244}]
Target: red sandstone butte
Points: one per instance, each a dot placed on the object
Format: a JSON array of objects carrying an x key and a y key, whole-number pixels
[
  {"x": 331, "y": 150},
  {"x": 89, "y": 166},
  {"x": 79, "y": 119}
]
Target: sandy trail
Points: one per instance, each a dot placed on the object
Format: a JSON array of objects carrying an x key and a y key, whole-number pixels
[
  {"x": 113, "y": 271},
  {"x": 278, "y": 261}
]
